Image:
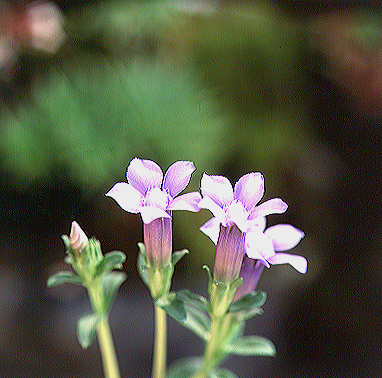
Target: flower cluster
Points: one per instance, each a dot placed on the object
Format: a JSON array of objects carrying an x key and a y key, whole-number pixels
[
  {"x": 239, "y": 218},
  {"x": 237, "y": 226}
]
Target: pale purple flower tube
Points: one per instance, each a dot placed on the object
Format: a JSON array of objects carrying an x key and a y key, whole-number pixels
[
  {"x": 229, "y": 254},
  {"x": 144, "y": 193}
]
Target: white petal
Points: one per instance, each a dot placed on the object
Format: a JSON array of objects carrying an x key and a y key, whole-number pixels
[
  {"x": 177, "y": 177},
  {"x": 189, "y": 201},
  {"x": 284, "y": 236},
  {"x": 144, "y": 175},
  {"x": 298, "y": 262},
  {"x": 250, "y": 189},
  {"x": 129, "y": 198},
  {"x": 216, "y": 210},
  {"x": 212, "y": 228},
  {"x": 258, "y": 246},
  {"x": 218, "y": 188},
  {"x": 272, "y": 206}
]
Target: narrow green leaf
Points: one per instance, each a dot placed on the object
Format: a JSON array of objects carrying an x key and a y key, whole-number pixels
[
  {"x": 249, "y": 301},
  {"x": 63, "y": 277},
  {"x": 197, "y": 321},
  {"x": 173, "y": 306},
  {"x": 87, "y": 329},
  {"x": 111, "y": 260},
  {"x": 176, "y": 256},
  {"x": 142, "y": 265},
  {"x": 245, "y": 315},
  {"x": 66, "y": 240},
  {"x": 251, "y": 346},
  {"x": 193, "y": 299},
  {"x": 111, "y": 284},
  {"x": 184, "y": 368}
]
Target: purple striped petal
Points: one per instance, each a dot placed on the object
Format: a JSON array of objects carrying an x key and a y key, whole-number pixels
[
  {"x": 298, "y": 262},
  {"x": 211, "y": 228},
  {"x": 129, "y": 198},
  {"x": 272, "y": 206},
  {"x": 284, "y": 236},
  {"x": 189, "y": 201},
  {"x": 218, "y": 188},
  {"x": 144, "y": 175},
  {"x": 177, "y": 177},
  {"x": 249, "y": 190}
]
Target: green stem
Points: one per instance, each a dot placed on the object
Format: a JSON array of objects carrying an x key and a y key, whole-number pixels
[
  {"x": 160, "y": 344},
  {"x": 213, "y": 354},
  {"x": 105, "y": 340},
  {"x": 109, "y": 359}
]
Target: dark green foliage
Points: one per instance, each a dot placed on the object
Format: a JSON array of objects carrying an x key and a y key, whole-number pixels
[{"x": 94, "y": 121}]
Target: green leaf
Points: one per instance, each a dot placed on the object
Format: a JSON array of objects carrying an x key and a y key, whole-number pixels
[
  {"x": 197, "y": 321},
  {"x": 111, "y": 284},
  {"x": 142, "y": 265},
  {"x": 193, "y": 299},
  {"x": 87, "y": 329},
  {"x": 245, "y": 315},
  {"x": 176, "y": 256},
  {"x": 111, "y": 260},
  {"x": 249, "y": 301},
  {"x": 173, "y": 306},
  {"x": 63, "y": 277},
  {"x": 66, "y": 240},
  {"x": 223, "y": 373},
  {"x": 184, "y": 368},
  {"x": 251, "y": 346}
]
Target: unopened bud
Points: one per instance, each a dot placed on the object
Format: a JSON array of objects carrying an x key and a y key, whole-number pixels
[{"x": 78, "y": 239}]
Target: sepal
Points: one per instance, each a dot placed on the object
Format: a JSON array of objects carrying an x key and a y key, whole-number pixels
[
  {"x": 142, "y": 265},
  {"x": 176, "y": 256},
  {"x": 63, "y": 277},
  {"x": 221, "y": 295},
  {"x": 87, "y": 329}
]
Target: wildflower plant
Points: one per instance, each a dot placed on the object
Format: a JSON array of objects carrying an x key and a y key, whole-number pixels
[{"x": 244, "y": 248}]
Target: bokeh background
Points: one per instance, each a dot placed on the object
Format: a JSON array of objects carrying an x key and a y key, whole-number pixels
[{"x": 289, "y": 88}]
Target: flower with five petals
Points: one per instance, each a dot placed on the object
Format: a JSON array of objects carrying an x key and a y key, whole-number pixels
[{"x": 153, "y": 196}]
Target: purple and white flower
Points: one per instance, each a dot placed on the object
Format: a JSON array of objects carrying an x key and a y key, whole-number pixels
[
  {"x": 263, "y": 246},
  {"x": 144, "y": 192},
  {"x": 153, "y": 196},
  {"x": 239, "y": 206}
]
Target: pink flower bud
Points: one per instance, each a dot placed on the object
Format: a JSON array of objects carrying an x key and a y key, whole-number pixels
[{"x": 78, "y": 239}]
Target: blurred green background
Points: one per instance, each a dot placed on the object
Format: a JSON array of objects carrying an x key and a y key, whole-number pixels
[{"x": 292, "y": 89}]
